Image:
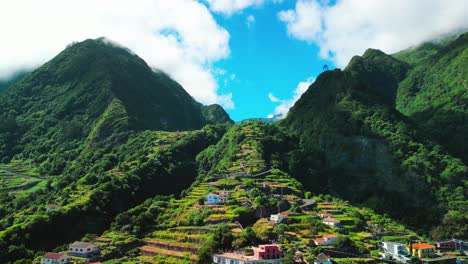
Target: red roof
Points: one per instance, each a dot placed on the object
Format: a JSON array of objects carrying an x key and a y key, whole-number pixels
[
  {"x": 330, "y": 235},
  {"x": 284, "y": 213},
  {"x": 319, "y": 240},
  {"x": 53, "y": 255},
  {"x": 422, "y": 246}
]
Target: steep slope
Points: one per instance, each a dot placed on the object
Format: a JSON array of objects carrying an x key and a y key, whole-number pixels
[
  {"x": 373, "y": 154},
  {"x": 56, "y": 106},
  {"x": 6, "y": 83},
  {"x": 215, "y": 114},
  {"x": 95, "y": 130},
  {"x": 435, "y": 93},
  {"x": 185, "y": 229}
]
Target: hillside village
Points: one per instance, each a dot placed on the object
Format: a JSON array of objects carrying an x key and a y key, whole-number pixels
[{"x": 249, "y": 212}]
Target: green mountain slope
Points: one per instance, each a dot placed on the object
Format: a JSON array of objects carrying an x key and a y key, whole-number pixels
[
  {"x": 435, "y": 93},
  {"x": 167, "y": 229},
  {"x": 373, "y": 154},
  {"x": 57, "y": 106},
  {"x": 94, "y": 131},
  {"x": 215, "y": 114},
  {"x": 5, "y": 84}
]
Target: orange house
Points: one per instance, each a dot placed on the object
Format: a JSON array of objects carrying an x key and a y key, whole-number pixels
[{"x": 422, "y": 250}]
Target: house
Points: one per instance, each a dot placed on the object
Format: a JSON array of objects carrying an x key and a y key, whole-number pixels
[
  {"x": 278, "y": 218},
  {"x": 421, "y": 250},
  {"x": 326, "y": 240},
  {"x": 212, "y": 198},
  {"x": 233, "y": 258},
  {"x": 331, "y": 221},
  {"x": 324, "y": 215},
  {"x": 223, "y": 196},
  {"x": 395, "y": 251},
  {"x": 83, "y": 249},
  {"x": 270, "y": 253},
  {"x": 52, "y": 207},
  {"x": 322, "y": 259},
  {"x": 452, "y": 245},
  {"x": 55, "y": 258}
]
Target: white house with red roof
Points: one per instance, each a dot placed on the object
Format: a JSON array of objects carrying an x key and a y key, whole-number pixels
[
  {"x": 279, "y": 218},
  {"x": 52, "y": 207},
  {"x": 326, "y": 240},
  {"x": 55, "y": 258}
]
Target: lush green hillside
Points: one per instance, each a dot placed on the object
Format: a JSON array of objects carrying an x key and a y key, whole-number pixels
[
  {"x": 5, "y": 84},
  {"x": 186, "y": 230},
  {"x": 373, "y": 154},
  {"x": 86, "y": 132},
  {"x": 435, "y": 93},
  {"x": 215, "y": 114}
]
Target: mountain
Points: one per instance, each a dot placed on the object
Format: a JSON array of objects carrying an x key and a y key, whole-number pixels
[
  {"x": 6, "y": 83},
  {"x": 356, "y": 144},
  {"x": 94, "y": 131},
  {"x": 63, "y": 100},
  {"x": 215, "y": 114},
  {"x": 435, "y": 93},
  {"x": 124, "y": 154}
]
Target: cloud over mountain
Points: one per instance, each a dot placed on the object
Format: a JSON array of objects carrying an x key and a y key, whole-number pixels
[
  {"x": 179, "y": 37},
  {"x": 349, "y": 27}
]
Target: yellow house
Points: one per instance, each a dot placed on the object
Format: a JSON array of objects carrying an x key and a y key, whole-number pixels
[{"x": 422, "y": 250}]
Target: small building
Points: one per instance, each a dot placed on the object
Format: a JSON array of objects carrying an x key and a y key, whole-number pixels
[
  {"x": 326, "y": 240},
  {"x": 223, "y": 196},
  {"x": 233, "y": 258},
  {"x": 322, "y": 259},
  {"x": 324, "y": 215},
  {"x": 452, "y": 245},
  {"x": 52, "y": 207},
  {"x": 55, "y": 258},
  {"x": 331, "y": 221},
  {"x": 278, "y": 218},
  {"x": 395, "y": 251},
  {"x": 270, "y": 253},
  {"x": 83, "y": 249},
  {"x": 421, "y": 250},
  {"x": 212, "y": 198}
]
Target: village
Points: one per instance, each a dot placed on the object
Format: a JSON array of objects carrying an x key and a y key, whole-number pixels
[
  {"x": 322, "y": 227},
  {"x": 266, "y": 217}
]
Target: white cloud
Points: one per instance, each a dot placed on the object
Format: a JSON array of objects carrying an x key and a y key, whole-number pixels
[
  {"x": 273, "y": 98},
  {"x": 229, "y": 7},
  {"x": 179, "y": 37},
  {"x": 351, "y": 26},
  {"x": 284, "y": 105},
  {"x": 250, "y": 21}
]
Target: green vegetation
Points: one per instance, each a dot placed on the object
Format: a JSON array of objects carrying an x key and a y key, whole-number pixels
[
  {"x": 128, "y": 158},
  {"x": 80, "y": 132},
  {"x": 435, "y": 93},
  {"x": 346, "y": 119}
]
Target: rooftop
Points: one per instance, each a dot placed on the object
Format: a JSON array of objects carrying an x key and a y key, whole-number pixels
[
  {"x": 53, "y": 255},
  {"x": 79, "y": 244},
  {"x": 422, "y": 246},
  {"x": 322, "y": 258},
  {"x": 236, "y": 256}
]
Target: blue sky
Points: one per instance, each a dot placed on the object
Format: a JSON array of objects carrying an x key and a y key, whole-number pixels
[{"x": 264, "y": 59}]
